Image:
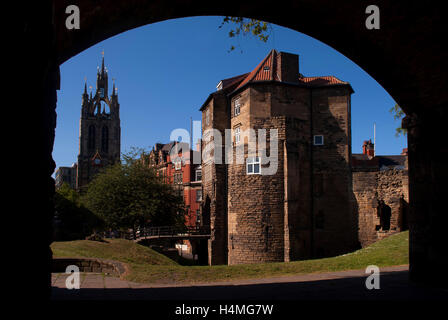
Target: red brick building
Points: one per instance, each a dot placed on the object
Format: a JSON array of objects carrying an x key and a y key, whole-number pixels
[{"x": 182, "y": 173}]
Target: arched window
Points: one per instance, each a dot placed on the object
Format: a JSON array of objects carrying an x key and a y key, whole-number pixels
[
  {"x": 105, "y": 139},
  {"x": 384, "y": 213},
  {"x": 91, "y": 139}
]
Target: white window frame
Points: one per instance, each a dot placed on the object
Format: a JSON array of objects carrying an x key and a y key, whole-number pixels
[
  {"x": 236, "y": 106},
  {"x": 314, "y": 140},
  {"x": 198, "y": 199},
  {"x": 252, "y": 161},
  {"x": 237, "y": 135},
  {"x": 196, "y": 174},
  {"x": 178, "y": 165}
]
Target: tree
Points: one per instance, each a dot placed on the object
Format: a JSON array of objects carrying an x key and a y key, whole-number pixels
[
  {"x": 398, "y": 115},
  {"x": 129, "y": 194},
  {"x": 247, "y": 26},
  {"x": 73, "y": 220}
]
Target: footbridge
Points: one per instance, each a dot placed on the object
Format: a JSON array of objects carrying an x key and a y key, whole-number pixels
[{"x": 162, "y": 232}]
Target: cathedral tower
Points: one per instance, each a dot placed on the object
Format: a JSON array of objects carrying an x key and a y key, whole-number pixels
[{"x": 99, "y": 129}]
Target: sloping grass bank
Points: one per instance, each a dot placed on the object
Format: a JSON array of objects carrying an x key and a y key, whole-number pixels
[{"x": 146, "y": 265}]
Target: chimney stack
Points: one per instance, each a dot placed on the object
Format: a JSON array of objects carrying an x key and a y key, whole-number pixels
[
  {"x": 288, "y": 67},
  {"x": 368, "y": 149}
]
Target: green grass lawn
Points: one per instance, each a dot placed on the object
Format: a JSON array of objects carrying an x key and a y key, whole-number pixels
[{"x": 146, "y": 265}]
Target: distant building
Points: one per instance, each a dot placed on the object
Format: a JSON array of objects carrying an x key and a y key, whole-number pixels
[
  {"x": 100, "y": 132},
  {"x": 185, "y": 176},
  {"x": 381, "y": 190},
  {"x": 66, "y": 175}
]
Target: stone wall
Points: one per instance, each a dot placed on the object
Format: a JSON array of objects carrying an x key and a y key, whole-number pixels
[
  {"x": 256, "y": 206},
  {"x": 108, "y": 267},
  {"x": 335, "y": 224},
  {"x": 214, "y": 181},
  {"x": 375, "y": 190}
]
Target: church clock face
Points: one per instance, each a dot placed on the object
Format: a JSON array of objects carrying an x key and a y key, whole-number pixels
[{"x": 97, "y": 161}]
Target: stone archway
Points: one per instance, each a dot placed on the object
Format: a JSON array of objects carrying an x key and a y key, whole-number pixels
[{"x": 404, "y": 56}]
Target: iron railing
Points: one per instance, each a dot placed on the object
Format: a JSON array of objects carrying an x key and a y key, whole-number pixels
[{"x": 156, "y": 232}]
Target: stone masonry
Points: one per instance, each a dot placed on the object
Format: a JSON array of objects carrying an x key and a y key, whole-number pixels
[
  {"x": 381, "y": 188},
  {"x": 303, "y": 210}
]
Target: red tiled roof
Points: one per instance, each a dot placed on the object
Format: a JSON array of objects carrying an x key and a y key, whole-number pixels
[
  {"x": 264, "y": 71},
  {"x": 321, "y": 81},
  {"x": 267, "y": 69},
  {"x": 227, "y": 83}
]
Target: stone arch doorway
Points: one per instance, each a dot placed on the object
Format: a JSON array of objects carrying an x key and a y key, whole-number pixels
[
  {"x": 384, "y": 213},
  {"x": 404, "y": 56}
]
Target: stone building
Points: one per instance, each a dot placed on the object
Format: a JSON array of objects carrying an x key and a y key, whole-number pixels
[
  {"x": 99, "y": 129},
  {"x": 304, "y": 208},
  {"x": 381, "y": 189},
  {"x": 66, "y": 175}
]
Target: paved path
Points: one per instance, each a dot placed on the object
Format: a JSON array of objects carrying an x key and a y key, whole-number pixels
[{"x": 343, "y": 285}]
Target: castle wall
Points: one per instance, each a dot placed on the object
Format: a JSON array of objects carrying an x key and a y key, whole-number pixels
[
  {"x": 214, "y": 182},
  {"x": 335, "y": 224},
  {"x": 256, "y": 208},
  {"x": 372, "y": 187},
  {"x": 305, "y": 209}
]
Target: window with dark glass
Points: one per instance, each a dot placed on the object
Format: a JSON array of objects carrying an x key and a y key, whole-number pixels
[
  {"x": 105, "y": 139},
  {"x": 198, "y": 175},
  {"x": 198, "y": 195},
  {"x": 318, "y": 140},
  {"x": 91, "y": 138},
  {"x": 253, "y": 165}
]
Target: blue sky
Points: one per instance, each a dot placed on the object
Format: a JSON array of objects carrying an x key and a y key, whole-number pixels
[{"x": 165, "y": 71}]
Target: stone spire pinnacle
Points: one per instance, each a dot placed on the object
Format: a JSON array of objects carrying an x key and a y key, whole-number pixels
[
  {"x": 85, "y": 86},
  {"x": 102, "y": 64}
]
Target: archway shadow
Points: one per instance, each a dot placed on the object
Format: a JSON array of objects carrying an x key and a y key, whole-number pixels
[{"x": 394, "y": 286}]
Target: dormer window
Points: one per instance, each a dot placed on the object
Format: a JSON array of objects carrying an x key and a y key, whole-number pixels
[
  {"x": 266, "y": 68},
  {"x": 318, "y": 140}
]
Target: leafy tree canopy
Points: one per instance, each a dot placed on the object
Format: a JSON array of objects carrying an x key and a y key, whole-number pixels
[
  {"x": 130, "y": 194},
  {"x": 72, "y": 219},
  {"x": 398, "y": 115},
  {"x": 246, "y": 26}
]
